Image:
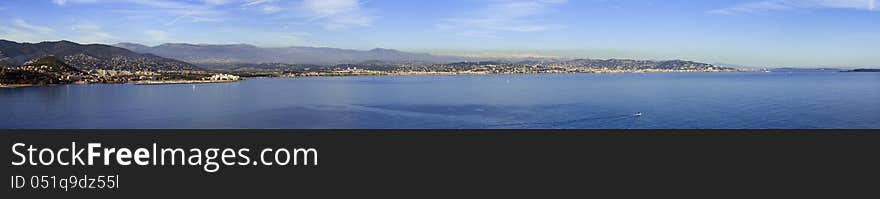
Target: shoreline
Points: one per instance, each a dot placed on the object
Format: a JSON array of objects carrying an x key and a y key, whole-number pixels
[
  {"x": 340, "y": 74},
  {"x": 18, "y": 85},
  {"x": 171, "y": 82},
  {"x": 162, "y": 82},
  {"x": 13, "y": 86}
]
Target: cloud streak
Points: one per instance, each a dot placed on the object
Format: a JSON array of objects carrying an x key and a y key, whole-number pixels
[
  {"x": 269, "y": 9},
  {"x": 330, "y": 14},
  {"x": 502, "y": 16},
  {"x": 201, "y": 11},
  {"x": 257, "y": 2},
  {"x": 782, "y": 5},
  {"x": 157, "y": 36},
  {"x": 29, "y": 27},
  {"x": 84, "y": 32},
  {"x": 89, "y": 32},
  {"x": 21, "y": 30},
  {"x": 338, "y": 14}
]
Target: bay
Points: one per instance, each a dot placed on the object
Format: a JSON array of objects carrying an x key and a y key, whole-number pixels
[{"x": 775, "y": 100}]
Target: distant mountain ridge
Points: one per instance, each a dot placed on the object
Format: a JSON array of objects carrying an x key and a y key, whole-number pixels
[
  {"x": 635, "y": 64},
  {"x": 212, "y": 54},
  {"x": 87, "y": 57}
]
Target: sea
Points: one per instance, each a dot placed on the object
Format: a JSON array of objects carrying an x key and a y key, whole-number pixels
[{"x": 759, "y": 100}]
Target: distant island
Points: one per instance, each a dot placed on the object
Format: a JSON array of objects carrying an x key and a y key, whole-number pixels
[
  {"x": 863, "y": 70},
  {"x": 791, "y": 69},
  {"x": 65, "y": 62}
]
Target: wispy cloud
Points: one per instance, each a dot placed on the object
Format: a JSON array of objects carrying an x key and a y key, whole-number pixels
[
  {"x": 780, "y": 5},
  {"x": 257, "y": 2},
  {"x": 29, "y": 27},
  {"x": 288, "y": 38},
  {"x": 64, "y": 2},
  {"x": 83, "y": 32},
  {"x": 157, "y": 36},
  {"x": 217, "y": 2},
  {"x": 269, "y": 9},
  {"x": 331, "y": 14},
  {"x": 21, "y": 30},
  {"x": 264, "y": 6},
  {"x": 338, "y": 14},
  {"x": 502, "y": 16},
  {"x": 199, "y": 11},
  {"x": 89, "y": 32},
  {"x": 478, "y": 33}
]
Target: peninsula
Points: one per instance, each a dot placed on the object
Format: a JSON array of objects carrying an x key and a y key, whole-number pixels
[{"x": 65, "y": 62}]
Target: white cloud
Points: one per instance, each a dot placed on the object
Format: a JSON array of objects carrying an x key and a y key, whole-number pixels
[
  {"x": 200, "y": 11},
  {"x": 83, "y": 32},
  {"x": 779, "y": 5},
  {"x": 157, "y": 36},
  {"x": 257, "y": 2},
  {"x": 216, "y": 2},
  {"x": 331, "y": 14},
  {"x": 95, "y": 37},
  {"x": 88, "y": 32},
  {"x": 269, "y": 9},
  {"x": 502, "y": 16},
  {"x": 29, "y": 27},
  {"x": 85, "y": 26},
  {"x": 264, "y": 6},
  {"x": 291, "y": 38},
  {"x": 20, "y": 30},
  {"x": 63, "y": 2},
  {"x": 324, "y": 8},
  {"x": 338, "y": 14}
]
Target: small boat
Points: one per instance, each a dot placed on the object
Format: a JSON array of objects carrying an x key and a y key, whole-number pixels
[{"x": 637, "y": 114}]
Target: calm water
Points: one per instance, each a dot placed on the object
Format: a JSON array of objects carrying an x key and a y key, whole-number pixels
[{"x": 693, "y": 100}]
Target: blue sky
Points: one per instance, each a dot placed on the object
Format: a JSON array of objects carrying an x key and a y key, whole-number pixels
[{"x": 844, "y": 33}]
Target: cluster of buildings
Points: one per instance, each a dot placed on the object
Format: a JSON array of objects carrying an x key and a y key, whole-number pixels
[
  {"x": 222, "y": 77},
  {"x": 577, "y": 66}
]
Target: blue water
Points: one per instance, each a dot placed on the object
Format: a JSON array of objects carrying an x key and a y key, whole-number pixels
[{"x": 777, "y": 100}]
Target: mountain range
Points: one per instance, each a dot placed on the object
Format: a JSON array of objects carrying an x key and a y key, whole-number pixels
[
  {"x": 183, "y": 57},
  {"x": 87, "y": 57},
  {"x": 204, "y": 54},
  {"x": 634, "y": 64}
]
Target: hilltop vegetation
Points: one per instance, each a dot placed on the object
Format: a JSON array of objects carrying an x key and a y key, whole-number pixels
[
  {"x": 88, "y": 57},
  {"x": 43, "y": 71}
]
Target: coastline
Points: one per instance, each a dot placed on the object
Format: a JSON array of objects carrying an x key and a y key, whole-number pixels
[
  {"x": 161, "y": 82},
  {"x": 17, "y": 85},
  {"x": 342, "y": 74}
]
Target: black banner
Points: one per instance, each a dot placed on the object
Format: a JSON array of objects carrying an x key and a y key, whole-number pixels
[{"x": 453, "y": 163}]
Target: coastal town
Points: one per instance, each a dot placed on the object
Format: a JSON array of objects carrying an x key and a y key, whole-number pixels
[
  {"x": 53, "y": 71},
  {"x": 481, "y": 68},
  {"x": 50, "y": 70},
  {"x": 65, "y": 62}
]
